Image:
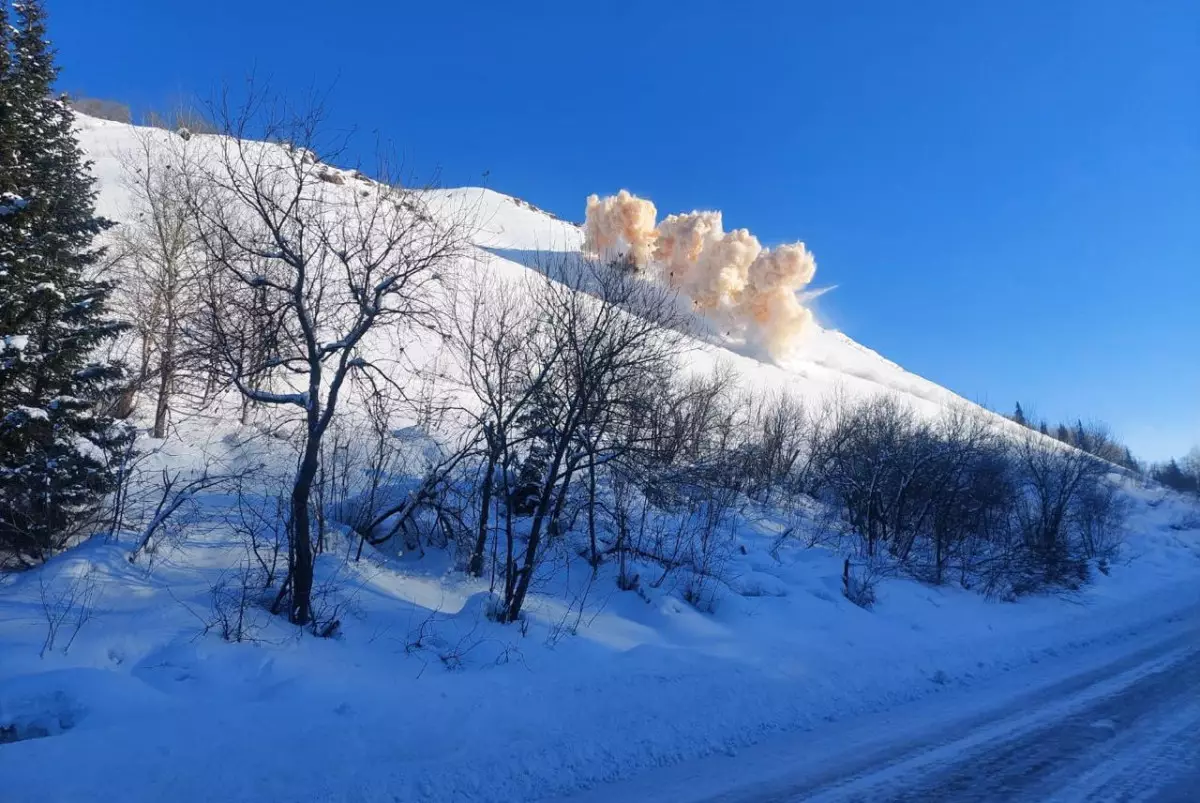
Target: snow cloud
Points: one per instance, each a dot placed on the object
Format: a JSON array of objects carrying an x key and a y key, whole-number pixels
[
  {"x": 620, "y": 223},
  {"x": 729, "y": 276}
]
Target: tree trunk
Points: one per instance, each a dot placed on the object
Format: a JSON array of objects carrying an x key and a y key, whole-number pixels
[
  {"x": 302, "y": 571},
  {"x": 540, "y": 516},
  {"x": 510, "y": 577},
  {"x": 475, "y": 568},
  {"x": 160, "y": 409},
  {"x": 144, "y": 366},
  {"x": 165, "y": 379},
  {"x": 592, "y": 513}
]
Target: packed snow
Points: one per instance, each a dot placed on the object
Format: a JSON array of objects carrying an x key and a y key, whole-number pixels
[{"x": 115, "y": 682}]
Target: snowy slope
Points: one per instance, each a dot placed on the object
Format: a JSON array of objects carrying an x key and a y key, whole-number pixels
[
  {"x": 511, "y": 234},
  {"x": 423, "y": 698}
]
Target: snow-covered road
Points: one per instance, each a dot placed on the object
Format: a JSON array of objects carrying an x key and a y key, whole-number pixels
[
  {"x": 1128, "y": 735},
  {"x": 1107, "y": 725}
]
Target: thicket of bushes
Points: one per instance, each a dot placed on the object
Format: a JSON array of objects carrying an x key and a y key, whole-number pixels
[{"x": 594, "y": 441}]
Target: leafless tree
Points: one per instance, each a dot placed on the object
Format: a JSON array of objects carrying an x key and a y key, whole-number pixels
[
  {"x": 496, "y": 332},
  {"x": 101, "y": 108},
  {"x": 161, "y": 266},
  {"x": 780, "y": 439},
  {"x": 323, "y": 265},
  {"x": 875, "y": 456},
  {"x": 967, "y": 492},
  {"x": 608, "y": 333},
  {"x": 1053, "y": 481}
]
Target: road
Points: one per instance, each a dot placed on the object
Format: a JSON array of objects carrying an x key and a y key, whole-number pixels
[
  {"x": 1133, "y": 737},
  {"x": 1116, "y": 727}
]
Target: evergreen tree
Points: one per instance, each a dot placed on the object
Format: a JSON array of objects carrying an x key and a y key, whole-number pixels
[
  {"x": 1063, "y": 434},
  {"x": 10, "y": 202},
  {"x": 1019, "y": 416},
  {"x": 56, "y": 442},
  {"x": 537, "y": 427},
  {"x": 1172, "y": 476},
  {"x": 1082, "y": 439}
]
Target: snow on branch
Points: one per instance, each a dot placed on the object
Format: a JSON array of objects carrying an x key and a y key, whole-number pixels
[{"x": 11, "y": 203}]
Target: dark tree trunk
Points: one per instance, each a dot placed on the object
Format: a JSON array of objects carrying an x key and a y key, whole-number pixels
[
  {"x": 592, "y": 512},
  {"x": 302, "y": 570},
  {"x": 525, "y": 574},
  {"x": 475, "y": 568},
  {"x": 166, "y": 376},
  {"x": 510, "y": 577}
]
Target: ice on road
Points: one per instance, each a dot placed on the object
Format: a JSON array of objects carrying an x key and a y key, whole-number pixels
[
  {"x": 1134, "y": 738},
  {"x": 1110, "y": 726}
]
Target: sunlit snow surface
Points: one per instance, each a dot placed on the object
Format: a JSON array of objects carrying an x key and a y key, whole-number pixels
[{"x": 423, "y": 698}]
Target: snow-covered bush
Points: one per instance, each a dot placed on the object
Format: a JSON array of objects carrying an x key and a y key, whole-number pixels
[{"x": 858, "y": 584}]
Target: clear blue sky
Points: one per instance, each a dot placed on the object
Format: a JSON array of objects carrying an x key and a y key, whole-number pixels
[{"x": 1007, "y": 195}]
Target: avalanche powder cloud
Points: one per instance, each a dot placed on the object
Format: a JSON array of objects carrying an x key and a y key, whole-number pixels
[
  {"x": 728, "y": 275},
  {"x": 621, "y": 222}
]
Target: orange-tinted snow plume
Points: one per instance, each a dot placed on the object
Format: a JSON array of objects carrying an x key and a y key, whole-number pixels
[
  {"x": 621, "y": 223},
  {"x": 681, "y": 238},
  {"x": 722, "y": 270},
  {"x": 727, "y": 275}
]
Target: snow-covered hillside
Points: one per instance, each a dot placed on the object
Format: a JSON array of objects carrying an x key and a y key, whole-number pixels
[
  {"x": 423, "y": 697},
  {"x": 511, "y": 235}
]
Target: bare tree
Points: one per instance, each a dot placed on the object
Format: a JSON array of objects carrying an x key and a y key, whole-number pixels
[
  {"x": 161, "y": 275},
  {"x": 875, "y": 457},
  {"x": 496, "y": 332},
  {"x": 1054, "y": 480},
  {"x": 781, "y": 434},
  {"x": 611, "y": 331},
  {"x": 328, "y": 264}
]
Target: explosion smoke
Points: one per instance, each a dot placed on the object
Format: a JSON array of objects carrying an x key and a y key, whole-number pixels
[
  {"x": 620, "y": 223},
  {"x": 722, "y": 269},
  {"x": 681, "y": 238},
  {"x": 727, "y": 275}
]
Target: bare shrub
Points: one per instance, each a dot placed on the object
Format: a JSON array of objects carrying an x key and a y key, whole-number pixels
[
  {"x": 67, "y": 601},
  {"x": 236, "y": 605},
  {"x": 873, "y": 463},
  {"x": 1098, "y": 517},
  {"x": 957, "y": 495},
  {"x": 180, "y": 117},
  {"x": 175, "y": 493},
  {"x": 858, "y": 584},
  {"x": 260, "y": 519}
]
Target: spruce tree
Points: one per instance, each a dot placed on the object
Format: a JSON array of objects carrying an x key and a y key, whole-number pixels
[
  {"x": 1130, "y": 462},
  {"x": 57, "y": 444},
  {"x": 10, "y": 202},
  {"x": 1019, "y": 416},
  {"x": 1082, "y": 439}
]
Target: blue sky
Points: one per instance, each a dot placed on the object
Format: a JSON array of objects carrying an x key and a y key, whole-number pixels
[{"x": 1007, "y": 195}]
